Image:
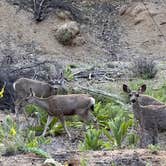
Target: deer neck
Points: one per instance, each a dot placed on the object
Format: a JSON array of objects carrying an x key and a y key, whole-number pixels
[
  {"x": 43, "y": 103},
  {"x": 137, "y": 110}
]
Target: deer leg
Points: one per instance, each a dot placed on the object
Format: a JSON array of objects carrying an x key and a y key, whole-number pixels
[
  {"x": 84, "y": 114},
  {"x": 49, "y": 120},
  {"x": 61, "y": 117},
  {"x": 94, "y": 119},
  {"x": 155, "y": 134},
  {"x": 156, "y": 137},
  {"x": 17, "y": 105},
  {"x": 23, "y": 104}
]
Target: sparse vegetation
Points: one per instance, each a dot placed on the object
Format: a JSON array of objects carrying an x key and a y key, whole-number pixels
[
  {"x": 16, "y": 141},
  {"x": 92, "y": 140},
  {"x": 68, "y": 73},
  {"x": 144, "y": 68},
  {"x": 154, "y": 148},
  {"x": 114, "y": 124}
]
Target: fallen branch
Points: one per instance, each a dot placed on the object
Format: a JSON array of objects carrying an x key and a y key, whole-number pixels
[
  {"x": 115, "y": 97},
  {"x": 98, "y": 73}
]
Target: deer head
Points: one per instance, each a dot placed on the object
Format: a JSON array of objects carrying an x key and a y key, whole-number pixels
[{"x": 133, "y": 95}]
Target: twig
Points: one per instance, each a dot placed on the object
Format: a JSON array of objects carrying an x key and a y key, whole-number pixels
[
  {"x": 26, "y": 67},
  {"x": 34, "y": 4}
]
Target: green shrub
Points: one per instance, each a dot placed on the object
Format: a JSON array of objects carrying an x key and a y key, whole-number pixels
[
  {"x": 15, "y": 140},
  {"x": 107, "y": 112},
  {"x": 144, "y": 67},
  {"x": 132, "y": 139},
  {"x": 68, "y": 73},
  {"x": 119, "y": 129},
  {"x": 92, "y": 140},
  {"x": 154, "y": 148}
]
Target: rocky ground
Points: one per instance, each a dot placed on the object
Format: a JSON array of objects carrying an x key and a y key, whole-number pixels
[{"x": 137, "y": 157}]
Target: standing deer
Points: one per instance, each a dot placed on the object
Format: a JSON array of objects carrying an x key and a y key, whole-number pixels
[
  {"x": 22, "y": 88},
  {"x": 151, "y": 116},
  {"x": 64, "y": 105}
]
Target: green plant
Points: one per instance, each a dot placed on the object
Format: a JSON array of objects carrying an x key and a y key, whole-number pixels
[
  {"x": 132, "y": 139},
  {"x": 144, "y": 67},
  {"x": 38, "y": 152},
  {"x": 16, "y": 140},
  {"x": 119, "y": 128},
  {"x": 110, "y": 110},
  {"x": 64, "y": 37},
  {"x": 68, "y": 73},
  {"x": 83, "y": 162},
  {"x": 92, "y": 140},
  {"x": 154, "y": 148},
  {"x": 41, "y": 116}
]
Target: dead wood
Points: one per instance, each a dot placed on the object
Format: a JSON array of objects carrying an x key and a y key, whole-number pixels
[
  {"x": 40, "y": 70},
  {"x": 103, "y": 74},
  {"x": 95, "y": 92},
  {"x": 42, "y": 8}
]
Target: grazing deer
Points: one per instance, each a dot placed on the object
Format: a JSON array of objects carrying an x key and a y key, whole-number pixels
[
  {"x": 64, "y": 105},
  {"x": 22, "y": 88},
  {"x": 151, "y": 116}
]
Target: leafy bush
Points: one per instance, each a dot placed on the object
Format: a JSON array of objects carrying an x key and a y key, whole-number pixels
[
  {"x": 92, "y": 140},
  {"x": 132, "y": 139},
  {"x": 104, "y": 112},
  {"x": 144, "y": 67},
  {"x": 119, "y": 128},
  {"x": 159, "y": 93},
  {"x": 41, "y": 116},
  {"x": 154, "y": 148},
  {"x": 68, "y": 73},
  {"x": 16, "y": 141},
  {"x": 114, "y": 124}
]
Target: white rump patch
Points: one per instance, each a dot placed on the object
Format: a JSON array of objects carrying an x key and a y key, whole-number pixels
[
  {"x": 14, "y": 85},
  {"x": 92, "y": 101}
]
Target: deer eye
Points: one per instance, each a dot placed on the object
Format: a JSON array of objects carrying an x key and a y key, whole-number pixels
[
  {"x": 130, "y": 95},
  {"x": 137, "y": 95}
]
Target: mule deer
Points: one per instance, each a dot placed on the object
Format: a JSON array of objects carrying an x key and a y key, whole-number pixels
[
  {"x": 151, "y": 116},
  {"x": 22, "y": 88},
  {"x": 64, "y": 105}
]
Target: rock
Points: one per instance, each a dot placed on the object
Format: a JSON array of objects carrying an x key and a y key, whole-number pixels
[
  {"x": 137, "y": 9},
  {"x": 138, "y": 21},
  {"x": 78, "y": 41},
  {"x": 67, "y": 32},
  {"x": 132, "y": 10},
  {"x": 51, "y": 162},
  {"x": 63, "y": 15},
  {"x": 122, "y": 10}
]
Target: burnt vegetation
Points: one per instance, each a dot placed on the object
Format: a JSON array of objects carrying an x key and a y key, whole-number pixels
[
  {"x": 9, "y": 72},
  {"x": 42, "y": 8},
  {"x": 144, "y": 67}
]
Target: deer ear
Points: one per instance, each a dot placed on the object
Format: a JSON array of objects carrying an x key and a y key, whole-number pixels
[
  {"x": 142, "y": 89},
  {"x": 126, "y": 88}
]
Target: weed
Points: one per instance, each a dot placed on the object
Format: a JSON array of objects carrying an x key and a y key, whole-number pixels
[
  {"x": 119, "y": 128},
  {"x": 15, "y": 140},
  {"x": 132, "y": 139},
  {"x": 68, "y": 74},
  {"x": 38, "y": 152},
  {"x": 92, "y": 140},
  {"x": 154, "y": 148},
  {"x": 83, "y": 162},
  {"x": 144, "y": 67}
]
